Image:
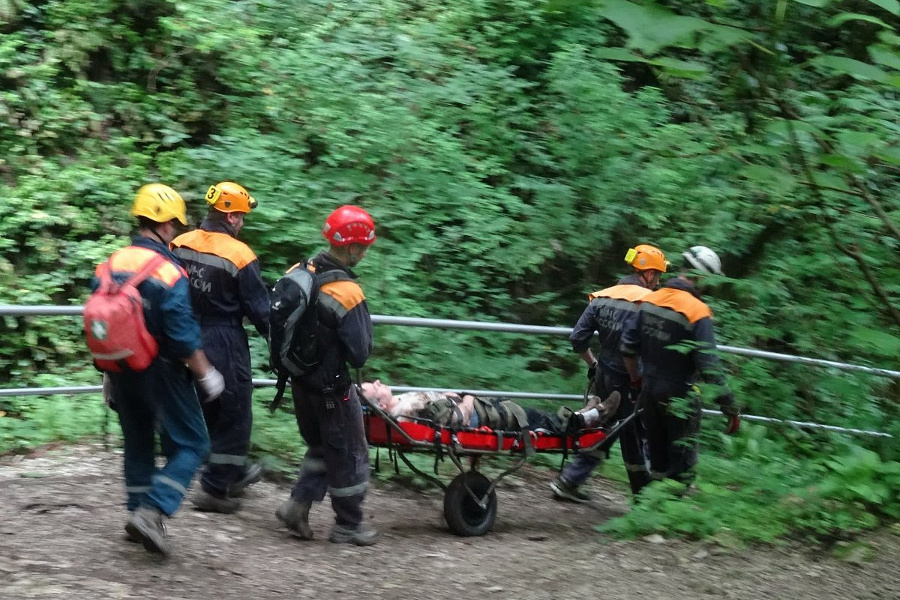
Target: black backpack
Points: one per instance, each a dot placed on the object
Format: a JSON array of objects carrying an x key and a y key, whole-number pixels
[{"x": 294, "y": 323}]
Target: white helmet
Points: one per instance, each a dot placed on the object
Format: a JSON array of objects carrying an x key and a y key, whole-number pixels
[{"x": 703, "y": 259}]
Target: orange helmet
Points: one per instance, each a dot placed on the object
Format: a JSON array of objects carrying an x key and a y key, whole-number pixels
[
  {"x": 228, "y": 197},
  {"x": 645, "y": 257},
  {"x": 349, "y": 225}
]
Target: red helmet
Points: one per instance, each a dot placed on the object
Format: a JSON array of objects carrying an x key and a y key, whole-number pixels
[{"x": 349, "y": 225}]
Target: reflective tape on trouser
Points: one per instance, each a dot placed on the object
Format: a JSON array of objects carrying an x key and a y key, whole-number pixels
[
  {"x": 171, "y": 483},
  {"x": 312, "y": 465},
  {"x": 137, "y": 489},
  {"x": 227, "y": 459},
  {"x": 346, "y": 492},
  {"x": 636, "y": 468}
]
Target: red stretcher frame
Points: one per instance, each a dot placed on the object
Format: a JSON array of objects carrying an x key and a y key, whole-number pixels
[{"x": 470, "y": 500}]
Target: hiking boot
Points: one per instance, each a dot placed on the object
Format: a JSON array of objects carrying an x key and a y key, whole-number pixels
[
  {"x": 606, "y": 410},
  {"x": 130, "y": 538},
  {"x": 295, "y": 516},
  {"x": 609, "y": 407},
  {"x": 564, "y": 491},
  {"x": 206, "y": 502},
  {"x": 362, "y": 535},
  {"x": 593, "y": 402},
  {"x": 252, "y": 475},
  {"x": 147, "y": 524}
]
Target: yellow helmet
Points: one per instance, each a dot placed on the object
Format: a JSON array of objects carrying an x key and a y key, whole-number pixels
[
  {"x": 645, "y": 256},
  {"x": 228, "y": 197},
  {"x": 159, "y": 203}
]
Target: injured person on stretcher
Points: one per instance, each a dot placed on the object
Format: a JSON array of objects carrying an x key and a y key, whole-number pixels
[{"x": 450, "y": 409}]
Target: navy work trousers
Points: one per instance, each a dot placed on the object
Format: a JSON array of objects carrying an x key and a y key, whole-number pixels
[
  {"x": 230, "y": 417},
  {"x": 671, "y": 420},
  {"x": 631, "y": 439},
  {"x": 337, "y": 460},
  {"x": 162, "y": 395}
]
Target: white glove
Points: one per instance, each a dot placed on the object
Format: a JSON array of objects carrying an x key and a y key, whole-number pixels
[{"x": 212, "y": 384}]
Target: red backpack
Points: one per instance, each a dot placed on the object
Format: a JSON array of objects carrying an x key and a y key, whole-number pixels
[{"x": 114, "y": 324}]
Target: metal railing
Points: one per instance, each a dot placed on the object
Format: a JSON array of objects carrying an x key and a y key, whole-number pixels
[
  {"x": 47, "y": 310},
  {"x": 96, "y": 389}
]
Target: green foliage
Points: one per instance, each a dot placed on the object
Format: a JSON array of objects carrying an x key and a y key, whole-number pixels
[
  {"x": 756, "y": 491},
  {"x": 510, "y": 151}
]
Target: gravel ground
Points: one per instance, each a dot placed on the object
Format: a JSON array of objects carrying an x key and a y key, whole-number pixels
[{"x": 61, "y": 536}]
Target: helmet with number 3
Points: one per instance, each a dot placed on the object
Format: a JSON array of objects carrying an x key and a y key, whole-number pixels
[
  {"x": 645, "y": 257},
  {"x": 228, "y": 197}
]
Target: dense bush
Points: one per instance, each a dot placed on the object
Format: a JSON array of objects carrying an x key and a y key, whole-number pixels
[
  {"x": 757, "y": 491},
  {"x": 510, "y": 151}
]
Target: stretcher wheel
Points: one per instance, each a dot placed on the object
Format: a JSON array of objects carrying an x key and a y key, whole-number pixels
[{"x": 463, "y": 514}]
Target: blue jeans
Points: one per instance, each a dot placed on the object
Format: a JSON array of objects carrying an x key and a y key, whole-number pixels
[{"x": 161, "y": 396}]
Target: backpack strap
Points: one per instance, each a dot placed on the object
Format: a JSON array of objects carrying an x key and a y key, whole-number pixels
[
  {"x": 332, "y": 275},
  {"x": 148, "y": 269},
  {"x": 280, "y": 387},
  {"x": 109, "y": 284}
]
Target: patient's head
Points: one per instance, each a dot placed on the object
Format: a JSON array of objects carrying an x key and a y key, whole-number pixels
[{"x": 379, "y": 393}]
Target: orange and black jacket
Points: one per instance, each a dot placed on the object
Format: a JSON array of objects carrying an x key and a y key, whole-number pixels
[
  {"x": 345, "y": 334},
  {"x": 672, "y": 332},
  {"x": 225, "y": 280},
  {"x": 166, "y": 296},
  {"x": 606, "y": 314}
]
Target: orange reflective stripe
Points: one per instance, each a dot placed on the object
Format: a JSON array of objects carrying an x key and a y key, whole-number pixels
[
  {"x": 348, "y": 293},
  {"x": 220, "y": 244},
  {"x": 297, "y": 265},
  {"x": 133, "y": 258},
  {"x": 681, "y": 302},
  {"x": 627, "y": 291}
]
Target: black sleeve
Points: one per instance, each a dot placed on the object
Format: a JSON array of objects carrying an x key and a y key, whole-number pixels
[
  {"x": 355, "y": 332},
  {"x": 707, "y": 361},
  {"x": 254, "y": 297},
  {"x": 631, "y": 334},
  {"x": 584, "y": 329}
]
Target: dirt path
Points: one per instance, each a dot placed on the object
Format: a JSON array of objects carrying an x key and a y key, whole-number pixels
[{"x": 61, "y": 519}]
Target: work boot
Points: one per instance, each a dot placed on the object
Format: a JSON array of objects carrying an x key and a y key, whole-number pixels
[
  {"x": 362, "y": 535},
  {"x": 252, "y": 475},
  {"x": 295, "y": 516},
  {"x": 593, "y": 402},
  {"x": 562, "y": 490},
  {"x": 147, "y": 524},
  {"x": 206, "y": 502},
  {"x": 606, "y": 410}
]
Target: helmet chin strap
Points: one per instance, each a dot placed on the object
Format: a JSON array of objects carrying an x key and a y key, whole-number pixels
[{"x": 159, "y": 237}]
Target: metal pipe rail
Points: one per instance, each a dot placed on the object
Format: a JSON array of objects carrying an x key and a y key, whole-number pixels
[
  {"x": 49, "y": 310},
  {"x": 7, "y": 310},
  {"x": 96, "y": 389}
]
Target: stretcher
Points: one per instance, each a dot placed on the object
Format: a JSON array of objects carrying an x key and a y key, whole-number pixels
[{"x": 470, "y": 499}]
